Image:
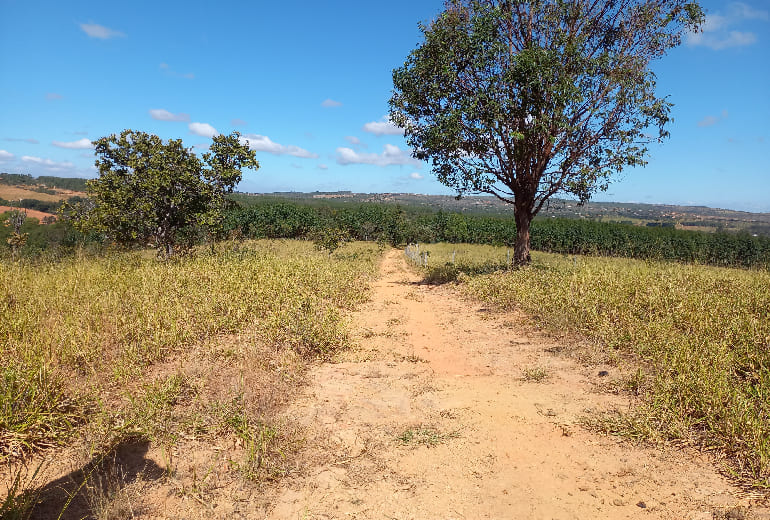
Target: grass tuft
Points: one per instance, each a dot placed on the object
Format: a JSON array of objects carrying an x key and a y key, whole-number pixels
[{"x": 425, "y": 436}]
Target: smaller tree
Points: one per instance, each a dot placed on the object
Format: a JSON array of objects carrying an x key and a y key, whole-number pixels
[
  {"x": 153, "y": 192},
  {"x": 17, "y": 240},
  {"x": 330, "y": 239}
]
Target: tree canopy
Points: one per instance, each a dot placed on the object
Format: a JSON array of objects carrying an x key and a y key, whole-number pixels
[
  {"x": 150, "y": 191},
  {"x": 524, "y": 99}
]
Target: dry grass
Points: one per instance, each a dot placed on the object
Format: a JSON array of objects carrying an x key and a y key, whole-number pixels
[
  {"x": 16, "y": 193},
  {"x": 111, "y": 349},
  {"x": 697, "y": 339}
]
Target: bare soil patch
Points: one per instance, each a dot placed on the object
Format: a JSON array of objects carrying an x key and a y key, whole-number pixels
[
  {"x": 32, "y": 213},
  {"x": 449, "y": 410}
]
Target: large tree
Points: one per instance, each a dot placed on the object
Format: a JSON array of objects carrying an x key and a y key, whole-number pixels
[
  {"x": 524, "y": 99},
  {"x": 151, "y": 191}
]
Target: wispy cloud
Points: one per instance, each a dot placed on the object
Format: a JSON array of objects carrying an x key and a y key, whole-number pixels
[
  {"x": 322, "y": 167},
  {"x": 99, "y": 31},
  {"x": 330, "y": 103},
  {"x": 391, "y": 155},
  {"x": 22, "y": 140},
  {"x": 416, "y": 176},
  {"x": 238, "y": 122},
  {"x": 712, "y": 120},
  {"x": 53, "y": 96},
  {"x": 164, "y": 115},
  {"x": 262, "y": 143},
  {"x": 170, "y": 72},
  {"x": 202, "y": 129},
  {"x": 355, "y": 142},
  {"x": 80, "y": 144},
  {"x": 718, "y": 31},
  {"x": 48, "y": 163},
  {"x": 383, "y": 127},
  {"x": 6, "y": 156}
]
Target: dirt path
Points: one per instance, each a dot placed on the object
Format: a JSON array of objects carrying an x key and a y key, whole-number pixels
[{"x": 433, "y": 418}]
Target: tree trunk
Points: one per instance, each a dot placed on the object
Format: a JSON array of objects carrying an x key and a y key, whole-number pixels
[{"x": 521, "y": 256}]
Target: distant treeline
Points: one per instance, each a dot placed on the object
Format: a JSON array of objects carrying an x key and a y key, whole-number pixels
[
  {"x": 266, "y": 217},
  {"x": 46, "y": 206},
  {"x": 398, "y": 226},
  {"x": 52, "y": 240},
  {"x": 62, "y": 183}
]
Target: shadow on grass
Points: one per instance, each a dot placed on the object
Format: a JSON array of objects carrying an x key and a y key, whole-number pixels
[
  {"x": 96, "y": 490},
  {"x": 449, "y": 272}
]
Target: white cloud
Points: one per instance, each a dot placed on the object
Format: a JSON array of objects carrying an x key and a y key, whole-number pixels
[
  {"x": 238, "y": 122},
  {"x": 383, "y": 127},
  {"x": 330, "y": 103},
  {"x": 47, "y": 163},
  {"x": 323, "y": 167},
  {"x": 22, "y": 140},
  {"x": 80, "y": 144},
  {"x": 716, "y": 30},
  {"x": 53, "y": 96},
  {"x": 164, "y": 115},
  {"x": 99, "y": 31},
  {"x": 170, "y": 72},
  {"x": 721, "y": 41},
  {"x": 390, "y": 155},
  {"x": 712, "y": 120},
  {"x": 202, "y": 129},
  {"x": 416, "y": 176},
  {"x": 746, "y": 12},
  {"x": 6, "y": 156},
  {"x": 262, "y": 143}
]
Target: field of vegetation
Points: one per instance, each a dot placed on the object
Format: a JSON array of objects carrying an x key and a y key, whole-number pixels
[
  {"x": 270, "y": 218},
  {"x": 96, "y": 339},
  {"x": 94, "y": 348},
  {"x": 694, "y": 340}
]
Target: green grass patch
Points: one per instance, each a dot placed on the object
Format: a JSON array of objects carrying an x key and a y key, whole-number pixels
[{"x": 425, "y": 436}]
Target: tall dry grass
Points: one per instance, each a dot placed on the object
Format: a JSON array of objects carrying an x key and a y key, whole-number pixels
[
  {"x": 699, "y": 337},
  {"x": 69, "y": 329}
]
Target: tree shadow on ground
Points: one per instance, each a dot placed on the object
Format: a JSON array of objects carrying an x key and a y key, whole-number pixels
[{"x": 97, "y": 489}]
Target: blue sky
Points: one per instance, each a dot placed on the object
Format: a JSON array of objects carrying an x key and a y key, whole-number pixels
[{"x": 308, "y": 84}]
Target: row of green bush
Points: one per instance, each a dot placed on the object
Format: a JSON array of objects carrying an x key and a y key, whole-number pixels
[
  {"x": 46, "y": 206},
  {"x": 63, "y": 183},
  {"x": 281, "y": 219},
  {"x": 274, "y": 218}
]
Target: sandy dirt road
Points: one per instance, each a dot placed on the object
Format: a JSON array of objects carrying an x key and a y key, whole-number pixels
[{"x": 438, "y": 414}]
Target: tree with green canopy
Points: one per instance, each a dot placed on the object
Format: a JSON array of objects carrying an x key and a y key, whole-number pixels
[
  {"x": 151, "y": 191},
  {"x": 524, "y": 99}
]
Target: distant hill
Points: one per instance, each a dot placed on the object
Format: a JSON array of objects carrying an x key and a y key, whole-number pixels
[
  {"x": 46, "y": 181},
  {"x": 48, "y": 190},
  {"x": 40, "y": 196}
]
